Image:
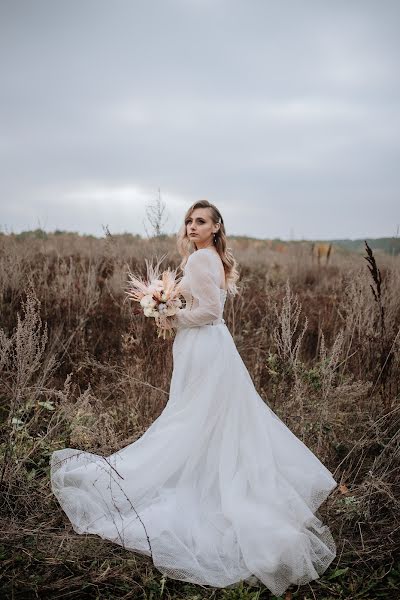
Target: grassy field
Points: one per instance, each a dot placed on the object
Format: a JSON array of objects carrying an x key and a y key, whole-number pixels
[{"x": 79, "y": 369}]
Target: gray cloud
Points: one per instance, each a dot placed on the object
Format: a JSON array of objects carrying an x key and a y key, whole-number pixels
[{"x": 284, "y": 114}]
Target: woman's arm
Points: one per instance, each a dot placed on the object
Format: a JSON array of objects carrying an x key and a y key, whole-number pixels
[{"x": 203, "y": 281}]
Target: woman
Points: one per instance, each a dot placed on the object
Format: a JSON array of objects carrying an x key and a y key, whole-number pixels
[{"x": 218, "y": 489}]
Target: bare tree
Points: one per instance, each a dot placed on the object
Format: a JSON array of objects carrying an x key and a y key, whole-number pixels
[{"x": 155, "y": 217}]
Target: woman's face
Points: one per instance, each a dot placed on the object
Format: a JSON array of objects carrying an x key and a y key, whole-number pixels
[{"x": 200, "y": 228}]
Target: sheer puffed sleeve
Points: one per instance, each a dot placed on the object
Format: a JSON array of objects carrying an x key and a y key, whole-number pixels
[{"x": 203, "y": 275}]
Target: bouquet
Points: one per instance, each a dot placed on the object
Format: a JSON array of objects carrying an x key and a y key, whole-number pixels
[{"x": 158, "y": 295}]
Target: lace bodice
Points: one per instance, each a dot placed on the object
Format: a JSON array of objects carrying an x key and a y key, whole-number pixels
[{"x": 205, "y": 299}]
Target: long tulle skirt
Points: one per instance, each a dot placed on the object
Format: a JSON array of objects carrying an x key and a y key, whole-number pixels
[{"x": 217, "y": 490}]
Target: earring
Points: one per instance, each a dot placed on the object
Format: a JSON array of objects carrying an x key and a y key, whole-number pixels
[{"x": 215, "y": 238}]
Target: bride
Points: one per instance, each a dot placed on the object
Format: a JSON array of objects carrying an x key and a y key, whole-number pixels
[{"x": 218, "y": 489}]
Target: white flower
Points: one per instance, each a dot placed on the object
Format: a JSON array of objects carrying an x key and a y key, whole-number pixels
[
  {"x": 149, "y": 311},
  {"x": 147, "y": 302},
  {"x": 156, "y": 285}
]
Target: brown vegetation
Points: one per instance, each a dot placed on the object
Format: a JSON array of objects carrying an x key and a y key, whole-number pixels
[{"x": 79, "y": 368}]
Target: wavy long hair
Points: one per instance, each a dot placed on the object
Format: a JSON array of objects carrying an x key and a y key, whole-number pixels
[{"x": 185, "y": 245}]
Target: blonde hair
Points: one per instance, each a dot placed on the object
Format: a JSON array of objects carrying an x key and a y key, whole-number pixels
[{"x": 185, "y": 245}]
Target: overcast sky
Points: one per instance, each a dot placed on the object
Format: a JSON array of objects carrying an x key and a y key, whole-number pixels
[{"x": 283, "y": 113}]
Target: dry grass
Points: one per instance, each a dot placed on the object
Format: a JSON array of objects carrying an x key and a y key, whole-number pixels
[{"x": 79, "y": 369}]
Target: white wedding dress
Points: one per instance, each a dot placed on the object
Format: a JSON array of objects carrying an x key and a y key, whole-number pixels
[{"x": 218, "y": 489}]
